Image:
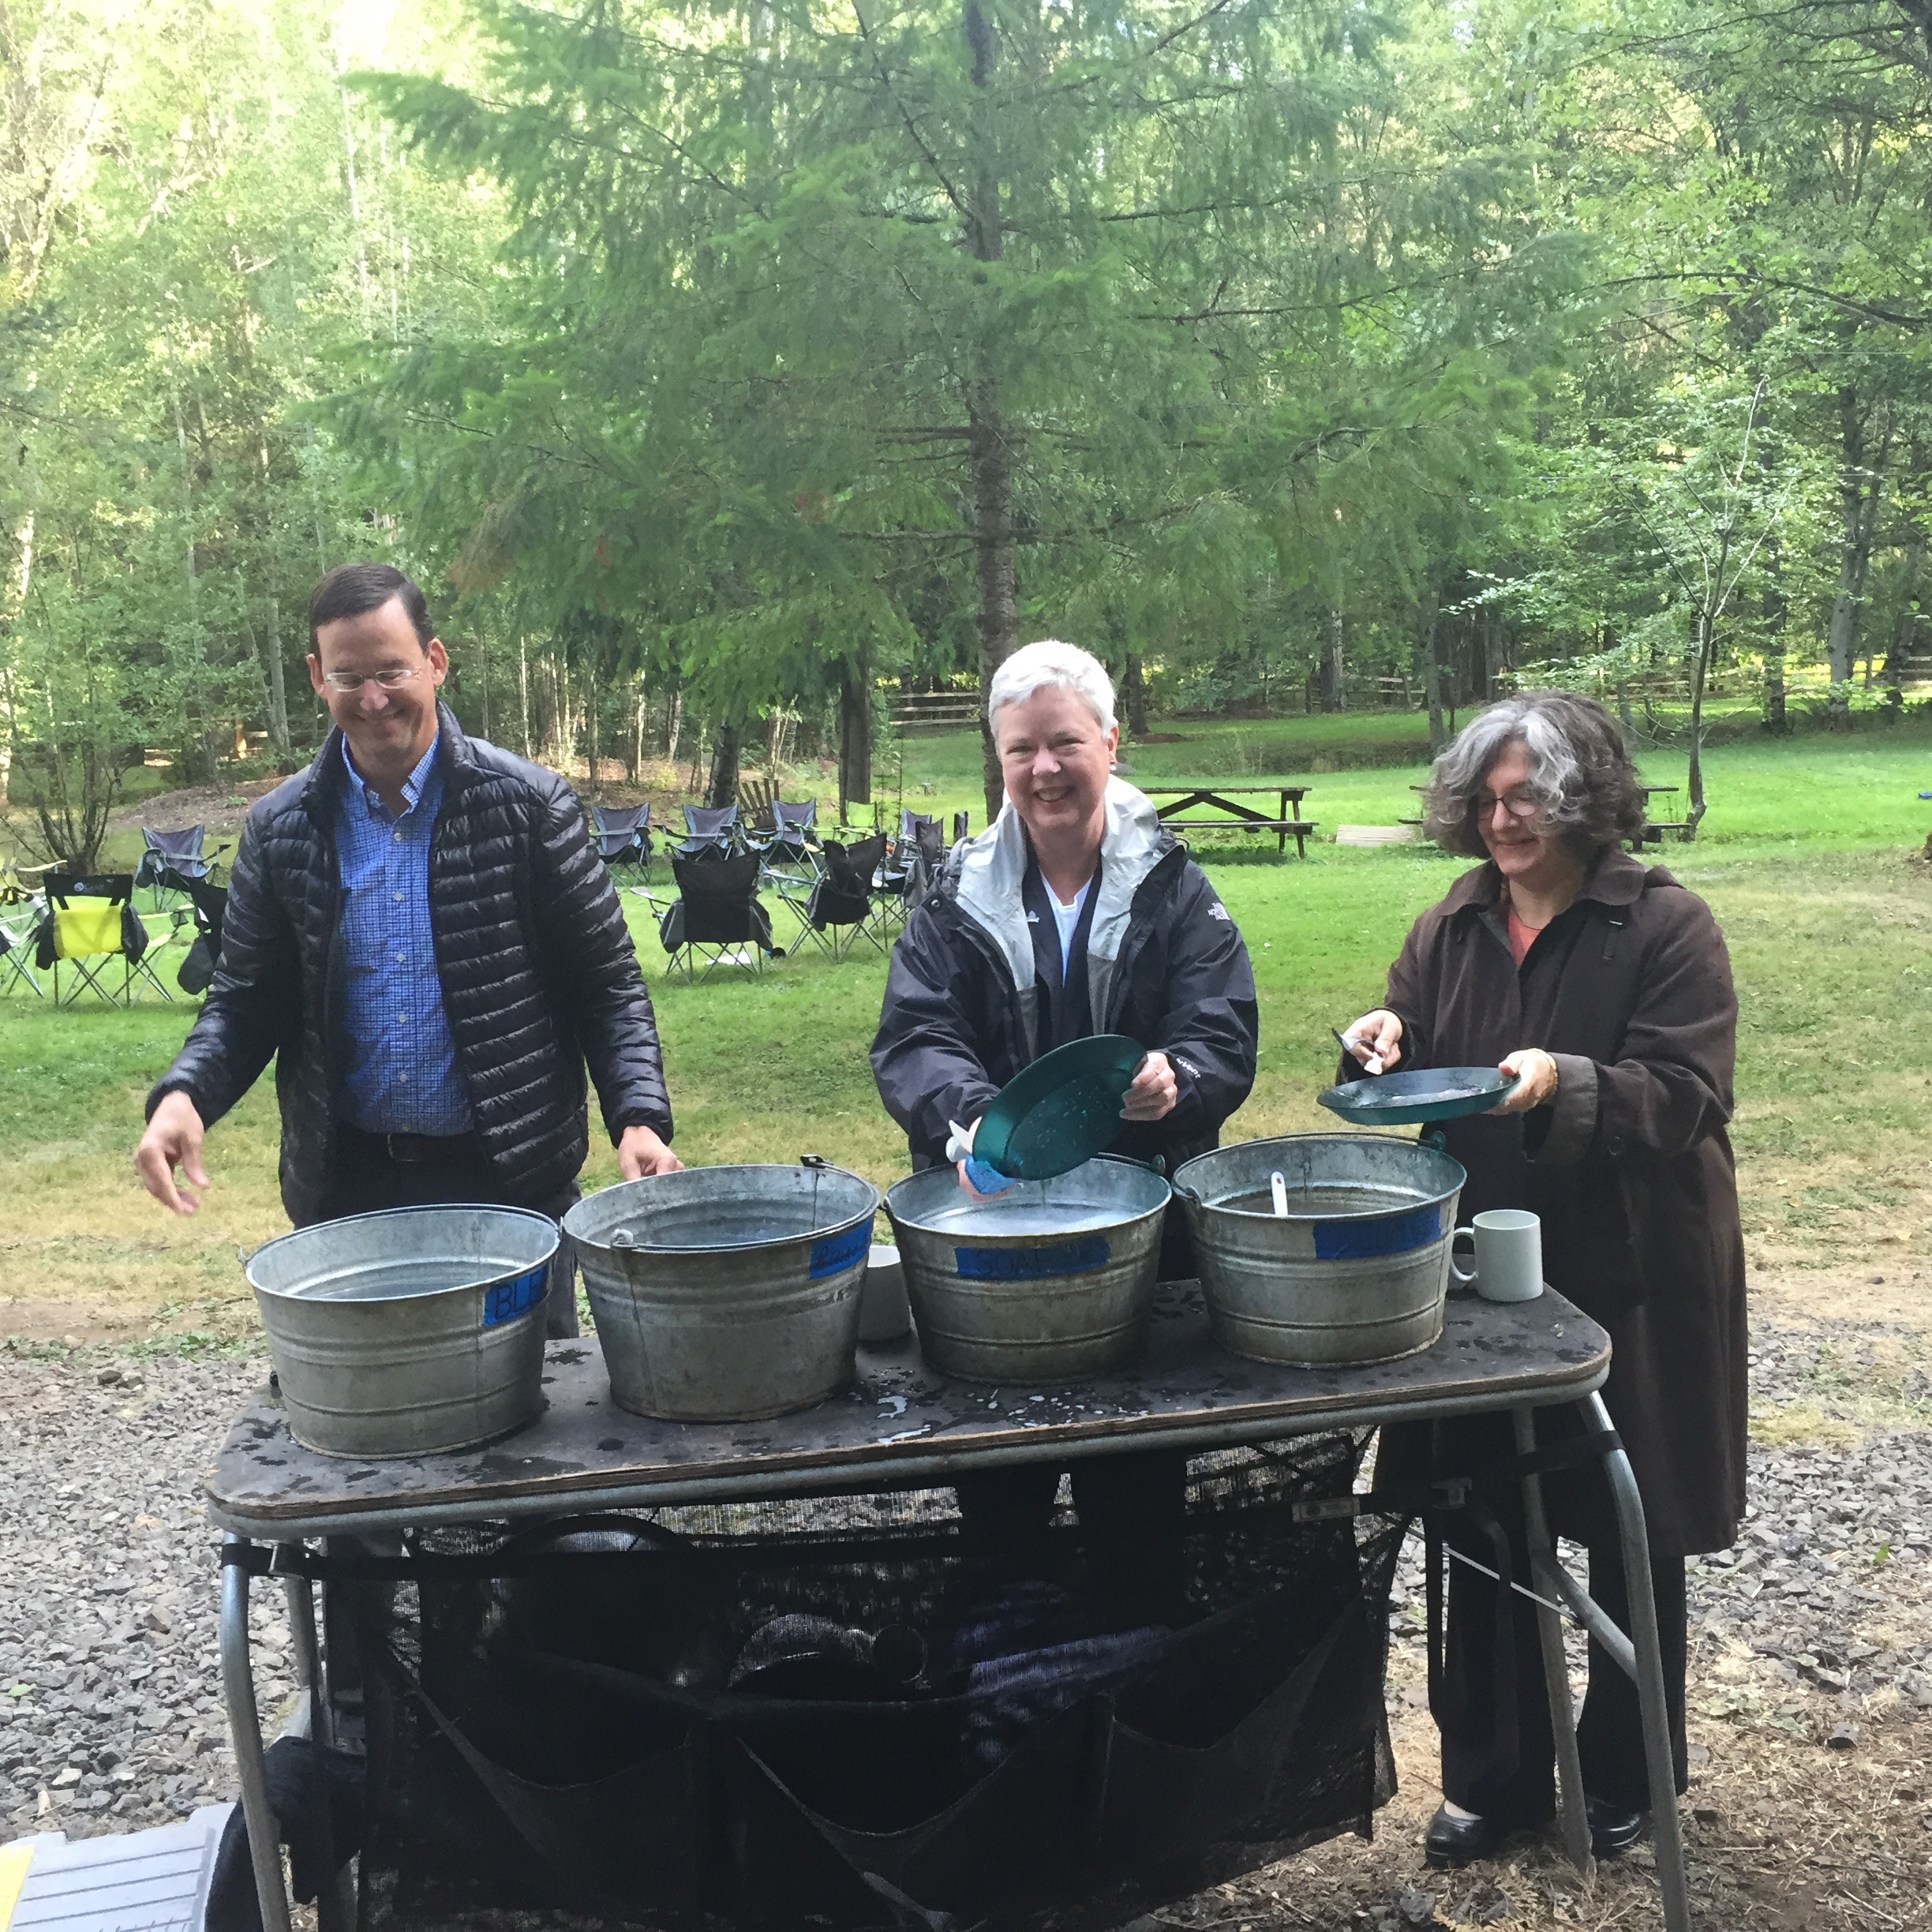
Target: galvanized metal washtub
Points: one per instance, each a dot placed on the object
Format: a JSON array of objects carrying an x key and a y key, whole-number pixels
[
  {"x": 1047, "y": 1280},
  {"x": 725, "y": 1294},
  {"x": 1358, "y": 1269},
  {"x": 408, "y": 1331}
]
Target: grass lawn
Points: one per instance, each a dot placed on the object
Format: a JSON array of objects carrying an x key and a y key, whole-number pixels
[{"x": 1808, "y": 857}]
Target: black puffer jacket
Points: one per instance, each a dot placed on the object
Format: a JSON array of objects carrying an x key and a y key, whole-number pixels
[
  {"x": 1166, "y": 966},
  {"x": 539, "y": 974}
]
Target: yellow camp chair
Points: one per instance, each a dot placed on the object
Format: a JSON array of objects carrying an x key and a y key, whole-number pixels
[{"x": 89, "y": 922}]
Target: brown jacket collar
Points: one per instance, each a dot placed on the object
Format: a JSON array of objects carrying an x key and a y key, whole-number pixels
[{"x": 1615, "y": 878}]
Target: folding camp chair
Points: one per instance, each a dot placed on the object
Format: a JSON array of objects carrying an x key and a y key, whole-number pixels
[
  {"x": 172, "y": 859},
  {"x": 16, "y": 937},
  {"x": 962, "y": 825},
  {"x": 715, "y": 913},
  {"x": 790, "y": 850},
  {"x": 623, "y": 839},
  {"x": 210, "y": 903},
  {"x": 709, "y": 830},
  {"x": 840, "y": 908},
  {"x": 921, "y": 854},
  {"x": 910, "y": 868},
  {"x": 89, "y": 922}
]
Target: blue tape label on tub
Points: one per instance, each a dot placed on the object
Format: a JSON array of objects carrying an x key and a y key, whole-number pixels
[
  {"x": 1066, "y": 1257},
  {"x": 836, "y": 1253},
  {"x": 1356, "y": 1241},
  {"x": 508, "y": 1300}
]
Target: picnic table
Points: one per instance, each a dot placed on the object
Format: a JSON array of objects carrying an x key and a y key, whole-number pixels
[
  {"x": 1285, "y": 822},
  {"x": 1652, "y": 833},
  {"x": 902, "y": 1426}
]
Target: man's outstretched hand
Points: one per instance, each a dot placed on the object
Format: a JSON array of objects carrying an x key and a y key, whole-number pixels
[
  {"x": 173, "y": 1139},
  {"x": 640, "y": 1152}
]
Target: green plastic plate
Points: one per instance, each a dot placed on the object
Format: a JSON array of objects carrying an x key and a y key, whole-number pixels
[
  {"x": 1422, "y": 1094},
  {"x": 1063, "y": 1109}
]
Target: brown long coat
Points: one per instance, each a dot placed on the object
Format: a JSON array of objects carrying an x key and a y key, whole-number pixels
[{"x": 1630, "y": 1167}]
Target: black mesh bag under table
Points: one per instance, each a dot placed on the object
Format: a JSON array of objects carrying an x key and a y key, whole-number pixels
[{"x": 853, "y": 1713}]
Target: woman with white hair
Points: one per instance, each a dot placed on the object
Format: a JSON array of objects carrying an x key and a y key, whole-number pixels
[
  {"x": 1076, "y": 912},
  {"x": 1603, "y": 986}
]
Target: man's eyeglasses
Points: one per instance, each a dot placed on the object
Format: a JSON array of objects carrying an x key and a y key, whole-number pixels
[
  {"x": 1514, "y": 803},
  {"x": 348, "y": 682}
]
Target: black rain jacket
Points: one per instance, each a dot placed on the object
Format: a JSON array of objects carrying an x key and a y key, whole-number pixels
[
  {"x": 538, "y": 970},
  {"x": 1167, "y": 966}
]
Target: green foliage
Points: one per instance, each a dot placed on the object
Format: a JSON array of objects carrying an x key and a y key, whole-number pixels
[{"x": 708, "y": 363}]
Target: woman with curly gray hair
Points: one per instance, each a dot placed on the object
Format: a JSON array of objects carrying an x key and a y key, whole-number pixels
[{"x": 1603, "y": 986}]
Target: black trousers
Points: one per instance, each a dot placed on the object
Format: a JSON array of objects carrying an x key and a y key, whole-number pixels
[
  {"x": 1481, "y": 1772},
  {"x": 364, "y": 1179}
]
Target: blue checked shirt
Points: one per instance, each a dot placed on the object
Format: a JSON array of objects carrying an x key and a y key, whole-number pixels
[{"x": 402, "y": 1076}]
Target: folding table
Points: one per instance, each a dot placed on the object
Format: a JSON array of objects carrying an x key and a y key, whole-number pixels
[{"x": 901, "y": 1425}]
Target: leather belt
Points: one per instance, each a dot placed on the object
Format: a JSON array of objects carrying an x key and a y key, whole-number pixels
[{"x": 416, "y": 1150}]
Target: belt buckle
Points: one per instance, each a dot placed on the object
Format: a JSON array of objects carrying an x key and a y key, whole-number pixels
[{"x": 395, "y": 1153}]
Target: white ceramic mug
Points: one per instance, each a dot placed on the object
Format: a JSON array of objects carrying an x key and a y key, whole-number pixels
[{"x": 1509, "y": 1255}]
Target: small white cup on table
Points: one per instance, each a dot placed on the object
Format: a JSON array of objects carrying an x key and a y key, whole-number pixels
[{"x": 1509, "y": 1255}]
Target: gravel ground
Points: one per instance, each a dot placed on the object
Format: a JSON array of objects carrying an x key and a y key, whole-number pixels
[
  {"x": 1812, "y": 1641},
  {"x": 111, "y": 1716}
]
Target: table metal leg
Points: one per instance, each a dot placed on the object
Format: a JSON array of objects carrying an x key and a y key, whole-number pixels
[
  {"x": 1555, "y": 1668},
  {"x": 335, "y": 1905},
  {"x": 1649, "y": 1672},
  {"x": 244, "y": 1730}
]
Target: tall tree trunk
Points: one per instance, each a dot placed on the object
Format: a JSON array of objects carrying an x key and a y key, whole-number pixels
[
  {"x": 855, "y": 748},
  {"x": 987, "y": 447},
  {"x": 634, "y": 750},
  {"x": 1861, "y": 477},
  {"x": 674, "y": 718},
  {"x": 1432, "y": 684},
  {"x": 1774, "y": 608},
  {"x": 1906, "y": 633},
  {"x": 723, "y": 788},
  {"x": 1135, "y": 686},
  {"x": 523, "y": 687},
  {"x": 21, "y": 583},
  {"x": 1694, "y": 783},
  {"x": 1335, "y": 685},
  {"x": 592, "y": 732},
  {"x": 355, "y": 208},
  {"x": 278, "y": 689}
]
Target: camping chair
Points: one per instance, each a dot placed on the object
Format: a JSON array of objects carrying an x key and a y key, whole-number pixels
[
  {"x": 210, "y": 904},
  {"x": 908, "y": 873},
  {"x": 962, "y": 825},
  {"x": 93, "y": 919},
  {"x": 920, "y": 855},
  {"x": 710, "y": 831},
  {"x": 623, "y": 838},
  {"x": 791, "y": 849},
  {"x": 717, "y": 913},
  {"x": 17, "y": 934},
  {"x": 172, "y": 859},
  {"x": 841, "y": 901}
]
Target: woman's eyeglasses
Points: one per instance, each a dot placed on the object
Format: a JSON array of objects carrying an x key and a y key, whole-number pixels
[
  {"x": 348, "y": 682},
  {"x": 1515, "y": 803}
]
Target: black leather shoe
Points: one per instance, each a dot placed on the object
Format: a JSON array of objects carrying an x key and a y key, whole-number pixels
[
  {"x": 1451, "y": 1841},
  {"x": 1613, "y": 1830}
]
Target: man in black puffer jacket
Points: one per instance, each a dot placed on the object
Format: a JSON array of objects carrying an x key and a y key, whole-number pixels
[{"x": 419, "y": 934}]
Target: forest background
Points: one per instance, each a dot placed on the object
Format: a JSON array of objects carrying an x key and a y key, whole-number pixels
[{"x": 724, "y": 369}]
